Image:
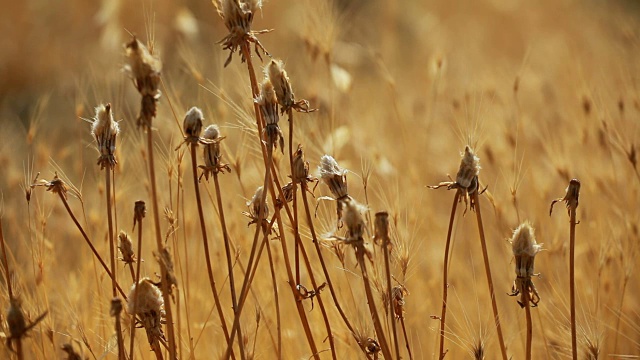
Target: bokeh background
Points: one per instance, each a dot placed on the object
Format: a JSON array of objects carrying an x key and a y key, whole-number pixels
[{"x": 544, "y": 91}]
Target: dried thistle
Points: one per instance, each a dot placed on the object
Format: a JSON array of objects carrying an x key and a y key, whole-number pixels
[
  {"x": 192, "y": 124},
  {"x": 146, "y": 300},
  {"x": 268, "y": 104},
  {"x": 525, "y": 248},
  {"x": 56, "y": 186},
  {"x": 256, "y": 213},
  {"x": 300, "y": 170},
  {"x": 105, "y": 130},
  {"x": 238, "y": 16},
  {"x": 139, "y": 212},
  {"x": 277, "y": 74},
  {"x": 144, "y": 69},
  {"x": 466, "y": 182},
  {"x": 212, "y": 154},
  {"x": 125, "y": 246},
  {"x": 398, "y": 293},
  {"x": 571, "y": 196},
  {"x": 335, "y": 178}
]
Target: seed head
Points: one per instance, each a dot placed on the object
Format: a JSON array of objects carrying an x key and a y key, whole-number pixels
[
  {"x": 212, "y": 151},
  {"x": 381, "y": 227},
  {"x": 525, "y": 248},
  {"x": 238, "y": 14},
  {"x": 116, "y": 307},
  {"x": 354, "y": 220},
  {"x": 278, "y": 76},
  {"x": 398, "y": 293},
  {"x": 469, "y": 168},
  {"x": 571, "y": 197},
  {"x": 300, "y": 167},
  {"x": 145, "y": 299},
  {"x": 192, "y": 123},
  {"x": 334, "y": 176},
  {"x": 143, "y": 67},
  {"x": 126, "y": 248},
  {"x": 256, "y": 213},
  {"x": 139, "y": 212},
  {"x": 105, "y": 130},
  {"x": 268, "y": 104}
]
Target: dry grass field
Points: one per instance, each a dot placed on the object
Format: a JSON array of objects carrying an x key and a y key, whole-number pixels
[{"x": 541, "y": 92}]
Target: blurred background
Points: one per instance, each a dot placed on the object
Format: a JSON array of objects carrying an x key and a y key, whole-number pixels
[{"x": 545, "y": 91}]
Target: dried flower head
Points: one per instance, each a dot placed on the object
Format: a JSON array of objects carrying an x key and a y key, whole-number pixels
[
  {"x": 238, "y": 16},
  {"x": 466, "y": 182},
  {"x": 105, "y": 130},
  {"x": 268, "y": 104},
  {"x": 398, "y": 293},
  {"x": 116, "y": 307},
  {"x": 166, "y": 263},
  {"x": 300, "y": 169},
  {"x": 145, "y": 301},
  {"x": 353, "y": 218},
  {"x": 276, "y": 73},
  {"x": 334, "y": 177},
  {"x": 56, "y": 186},
  {"x": 381, "y": 228},
  {"x": 525, "y": 248},
  {"x": 571, "y": 196},
  {"x": 372, "y": 347},
  {"x": 139, "y": 212},
  {"x": 192, "y": 124},
  {"x": 144, "y": 69},
  {"x": 126, "y": 248},
  {"x": 256, "y": 213},
  {"x": 211, "y": 153}
]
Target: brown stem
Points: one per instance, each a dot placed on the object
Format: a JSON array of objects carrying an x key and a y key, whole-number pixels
[
  {"x": 322, "y": 262},
  {"x": 371, "y": 302},
  {"x": 156, "y": 220},
  {"x": 86, "y": 238},
  {"x": 386, "y": 243},
  {"x": 445, "y": 274},
  {"x": 207, "y": 256},
  {"x": 295, "y": 200},
  {"x": 406, "y": 338},
  {"x": 572, "y": 280},
  {"x": 494, "y": 306},
  {"x": 19, "y": 351},
  {"x": 155, "y": 346},
  {"x": 121, "y": 353},
  {"x": 135, "y": 294},
  {"x": 527, "y": 309},
  {"x": 275, "y": 290},
  {"x": 114, "y": 279}
]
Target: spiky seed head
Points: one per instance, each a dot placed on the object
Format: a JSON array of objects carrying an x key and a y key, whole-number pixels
[
  {"x": 192, "y": 123},
  {"x": 278, "y": 76},
  {"x": 143, "y": 67},
  {"x": 211, "y": 152},
  {"x": 126, "y": 248},
  {"x": 105, "y": 130},
  {"x": 469, "y": 168},
  {"x": 525, "y": 248},
  {"x": 255, "y": 206},
  {"x": 333, "y": 176}
]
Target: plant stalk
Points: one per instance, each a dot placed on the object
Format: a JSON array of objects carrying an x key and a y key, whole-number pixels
[{"x": 445, "y": 274}]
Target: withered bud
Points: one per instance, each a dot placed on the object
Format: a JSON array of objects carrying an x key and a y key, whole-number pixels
[
  {"x": 278, "y": 76},
  {"x": 126, "y": 248},
  {"x": 571, "y": 197},
  {"x": 354, "y": 220},
  {"x": 254, "y": 206},
  {"x": 144, "y": 68},
  {"x": 334, "y": 176},
  {"x": 371, "y": 346},
  {"x": 300, "y": 167},
  {"x": 139, "y": 212},
  {"x": 192, "y": 123},
  {"x": 398, "y": 293},
  {"x": 381, "y": 228},
  {"x": 238, "y": 14},
  {"x": 116, "y": 307},
  {"x": 105, "y": 130},
  {"x": 469, "y": 168},
  {"x": 525, "y": 248},
  {"x": 212, "y": 151}
]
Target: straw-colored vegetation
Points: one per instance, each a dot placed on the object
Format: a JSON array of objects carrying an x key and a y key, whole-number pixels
[{"x": 248, "y": 180}]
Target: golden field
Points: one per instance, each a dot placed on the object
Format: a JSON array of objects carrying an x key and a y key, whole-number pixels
[{"x": 543, "y": 92}]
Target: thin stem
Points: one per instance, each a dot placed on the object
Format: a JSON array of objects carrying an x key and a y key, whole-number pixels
[
  {"x": 572, "y": 280},
  {"x": 322, "y": 262},
  {"x": 207, "y": 256},
  {"x": 295, "y": 200},
  {"x": 386, "y": 243},
  {"x": 622, "y": 295},
  {"x": 527, "y": 309},
  {"x": 121, "y": 354},
  {"x": 156, "y": 220},
  {"x": 86, "y": 238},
  {"x": 275, "y": 292},
  {"x": 406, "y": 338},
  {"x": 135, "y": 294},
  {"x": 445, "y": 274},
  {"x": 494, "y": 306},
  {"x": 114, "y": 281},
  {"x": 371, "y": 302},
  {"x": 19, "y": 351}
]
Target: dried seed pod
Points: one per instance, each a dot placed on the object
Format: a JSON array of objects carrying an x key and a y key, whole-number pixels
[
  {"x": 571, "y": 197},
  {"x": 300, "y": 167},
  {"x": 116, "y": 307},
  {"x": 354, "y": 220},
  {"x": 334, "y": 177},
  {"x": 278, "y": 76},
  {"x": 268, "y": 104},
  {"x": 211, "y": 153},
  {"x": 469, "y": 168},
  {"x": 525, "y": 248},
  {"x": 139, "y": 212},
  {"x": 145, "y": 299},
  {"x": 238, "y": 14},
  {"x": 381, "y": 228},
  {"x": 143, "y": 67},
  {"x": 125, "y": 246},
  {"x": 192, "y": 124},
  {"x": 105, "y": 130},
  {"x": 256, "y": 213},
  {"x": 166, "y": 262},
  {"x": 398, "y": 293}
]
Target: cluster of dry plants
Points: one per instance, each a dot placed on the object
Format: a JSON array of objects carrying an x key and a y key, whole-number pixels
[{"x": 165, "y": 260}]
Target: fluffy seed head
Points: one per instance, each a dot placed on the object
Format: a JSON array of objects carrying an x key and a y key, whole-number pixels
[
  {"x": 525, "y": 248},
  {"x": 149, "y": 299},
  {"x": 278, "y": 76},
  {"x": 211, "y": 151},
  {"x": 192, "y": 123},
  {"x": 126, "y": 248},
  {"x": 105, "y": 130},
  {"x": 354, "y": 220},
  {"x": 254, "y": 206},
  {"x": 469, "y": 168},
  {"x": 143, "y": 67},
  {"x": 334, "y": 176}
]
